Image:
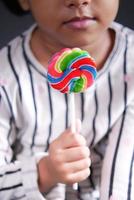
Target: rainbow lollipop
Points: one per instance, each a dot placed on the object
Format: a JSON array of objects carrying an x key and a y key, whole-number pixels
[{"x": 71, "y": 70}]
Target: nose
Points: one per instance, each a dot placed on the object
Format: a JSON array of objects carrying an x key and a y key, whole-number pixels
[{"x": 77, "y": 3}]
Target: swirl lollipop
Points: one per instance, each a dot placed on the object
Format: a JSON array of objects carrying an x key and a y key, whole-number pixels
[{"x": 71, "y": 70}]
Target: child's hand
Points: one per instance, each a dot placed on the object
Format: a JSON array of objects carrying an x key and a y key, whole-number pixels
[{"x": 68, "y": 161}]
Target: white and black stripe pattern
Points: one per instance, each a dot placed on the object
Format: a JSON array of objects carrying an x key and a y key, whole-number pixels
[
  {"x": 10, "y": 187},
  {"x": 33, "y": 94},
  {"x": 12, "y": 119},
  {"x": 130, "y": 184},
  {"x": 51, "y": 114},
  {"x": 32, "y": 115},
  {"x": 112, "y": 190},
  {"x": 121, "y": 127},
  {"x": 14, "y": 72}
]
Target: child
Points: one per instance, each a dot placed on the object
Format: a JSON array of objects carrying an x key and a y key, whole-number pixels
[{"x": 38, "y": 152}]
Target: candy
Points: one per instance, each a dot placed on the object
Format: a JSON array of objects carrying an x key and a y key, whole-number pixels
[{"x": 71, "y": 70}]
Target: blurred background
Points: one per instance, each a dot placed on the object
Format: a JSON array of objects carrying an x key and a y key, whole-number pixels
[{"x": 11, "y": 25}]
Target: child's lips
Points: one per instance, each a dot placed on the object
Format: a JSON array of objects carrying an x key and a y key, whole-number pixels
[{"x": 80, "y": 23}]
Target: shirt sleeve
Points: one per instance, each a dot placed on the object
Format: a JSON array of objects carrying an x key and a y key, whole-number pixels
[
  {"x": 18, "y": 179},
  {"x": 118, "y": 167}
]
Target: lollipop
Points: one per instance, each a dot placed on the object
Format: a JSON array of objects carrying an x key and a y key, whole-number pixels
[{"x": 71, "y": 70}]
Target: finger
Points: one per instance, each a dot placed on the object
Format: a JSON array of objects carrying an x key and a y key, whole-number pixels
[
  {"x": 68, "y": 140},
  {"x": 79, "y": 165},
  {"x": 78, "y": 176},
  {"x": 74, "y": 154}
]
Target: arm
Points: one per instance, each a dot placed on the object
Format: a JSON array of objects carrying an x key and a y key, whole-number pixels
[
  {"x": 17, "y": 179},
  {"x": 67, "y": 162}
]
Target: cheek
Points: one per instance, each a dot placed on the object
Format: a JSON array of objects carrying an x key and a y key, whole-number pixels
[
  {"x": 107, "y": 11},
  {"x": 112, "y": 8},
  {"x": 45, "y": 19}
]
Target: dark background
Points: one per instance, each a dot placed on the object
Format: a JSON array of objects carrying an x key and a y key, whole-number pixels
[{"x": 11, "y": 25}]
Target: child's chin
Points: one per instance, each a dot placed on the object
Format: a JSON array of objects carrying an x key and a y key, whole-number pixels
[{"x": 80, "y": 43}]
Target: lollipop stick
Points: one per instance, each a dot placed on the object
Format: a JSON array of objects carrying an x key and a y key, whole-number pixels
[
  {"x": 73, "y": 118},
  {"x": 73, "y": 126}
]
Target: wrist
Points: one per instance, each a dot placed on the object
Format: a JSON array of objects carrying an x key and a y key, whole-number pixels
[{"x": 45, "y": 178}]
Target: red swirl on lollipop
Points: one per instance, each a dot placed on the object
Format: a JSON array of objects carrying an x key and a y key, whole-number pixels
[{"x": 71, "y": 70}]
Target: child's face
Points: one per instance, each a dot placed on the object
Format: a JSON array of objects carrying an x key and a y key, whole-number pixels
[{"x": 72, "y": 22}]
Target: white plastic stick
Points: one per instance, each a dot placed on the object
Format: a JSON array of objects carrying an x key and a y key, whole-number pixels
[
  {"x": 73, "y": 118},
  {"x": 73, "y": 125}
]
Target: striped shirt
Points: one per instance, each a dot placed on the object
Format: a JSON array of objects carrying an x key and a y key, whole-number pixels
[{"x": 32, "y": 115}]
